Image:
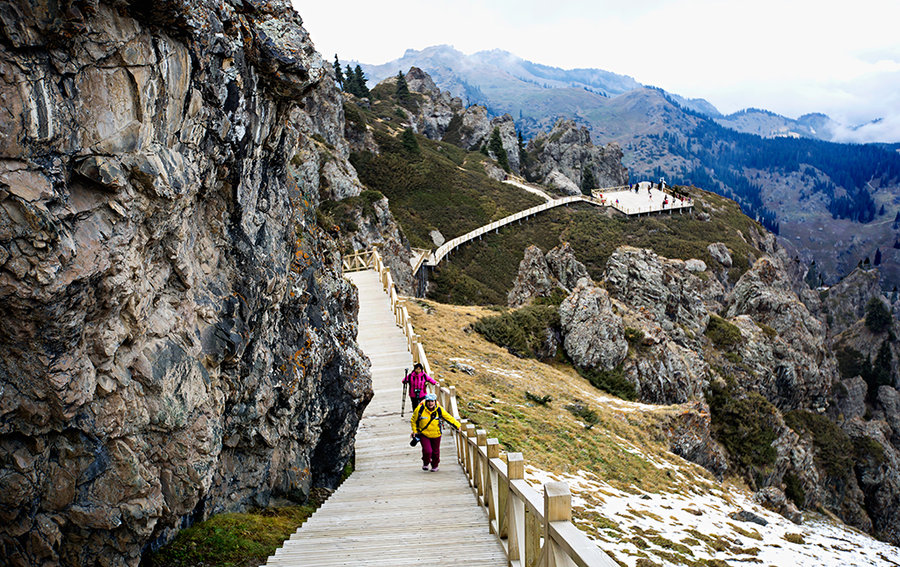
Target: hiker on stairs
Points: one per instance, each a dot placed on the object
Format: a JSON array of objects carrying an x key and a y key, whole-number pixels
[
  {"x": 426, "y": 424},
  {"x": 417, "y": 382}
]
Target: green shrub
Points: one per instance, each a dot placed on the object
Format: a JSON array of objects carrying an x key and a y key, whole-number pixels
[
  {"x": 540, "y": 400},
  {"x": 878, "y": 316},
  {"x": 634, "y": 336},
  {"x": 851, "y": 363},
  {"x": 744, "y": 426},
  {"x": 723, "y": 334},
  {"x": 611, "y": 381},
  {"x": 793, "y": 489},
  {"x": 834, "y": 450},
  {"x": 583, "y": 412},
  {"x": 522, "y": 331}
]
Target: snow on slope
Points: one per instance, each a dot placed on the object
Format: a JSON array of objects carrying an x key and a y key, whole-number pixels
[{"x": 696, "y": 529}]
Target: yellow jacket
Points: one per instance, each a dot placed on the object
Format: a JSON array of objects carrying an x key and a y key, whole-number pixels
[{"x": 422, "y": 422}]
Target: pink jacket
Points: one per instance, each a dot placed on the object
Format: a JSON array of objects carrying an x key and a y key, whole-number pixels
[{"x": 416, "y": 381}]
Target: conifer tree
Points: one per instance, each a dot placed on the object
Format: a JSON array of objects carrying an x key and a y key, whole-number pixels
[
  {"x": 496, "y": 147},
  {"x": 877, "y": 261},
  {"x": 360, "y": 80},
  {"x": 338, "y": 75},
  {"x": 403, "y": 95},
  {"x": 410, "y": 144},
  {"x": 350, "y": 81},
  {"x": 587, "y": 179},
  {"x": 878, "y": 316}
]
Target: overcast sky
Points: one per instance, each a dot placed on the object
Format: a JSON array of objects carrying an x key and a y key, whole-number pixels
[{"x": 788, "y": 56}]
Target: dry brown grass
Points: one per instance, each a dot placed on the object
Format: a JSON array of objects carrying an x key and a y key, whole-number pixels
[{"x": 625, "y": 448}]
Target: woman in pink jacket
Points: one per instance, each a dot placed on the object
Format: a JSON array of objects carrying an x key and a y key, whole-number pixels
[{"x": 416, "y": 380}]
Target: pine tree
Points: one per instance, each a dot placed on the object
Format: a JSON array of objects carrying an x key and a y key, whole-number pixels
[
  {"x": 410, "y": 144},
  {"x": 403, "y": 95},
  {"x": 338, "y": 75},
  {"x": 588, "y": 182},
  {"x": 881, "y": 367},
  {"x": 877, "y": 261},
  {"x": 521, "y": 147},
  {"x": 495, "y": 146},
  {"x": 350, "y": 81},
  {"x": 360, "y": 78}
]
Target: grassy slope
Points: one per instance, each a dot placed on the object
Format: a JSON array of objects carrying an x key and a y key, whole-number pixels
[
  {"x": 442, "y": 187},
  {"x": 483, "y": 272},
  {"x": 621, "y": 448}
]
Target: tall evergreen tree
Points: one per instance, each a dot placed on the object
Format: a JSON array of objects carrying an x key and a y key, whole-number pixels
[
  {"x": 877, "y": 261},
  {"x": 361, "y": 81},
  {"x": 881, "y": 367},
  {"x": 410, "y": 144},
  {"x": 350, "y": 81},
  {"x": 588, "y": 182},
  {"x": 403, "y": 95},
  {"x": 496, "y": 147},
  {"x": 338, "y": 74},
  {"x": 878, "y": 316}
]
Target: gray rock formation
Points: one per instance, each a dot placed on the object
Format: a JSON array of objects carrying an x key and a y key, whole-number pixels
[
  {"x": 564, "y": 267},
  {"x": 845, "y": 302},
  {"x": 177, "y": 337},
  {"x": 558, "y": 181},
  {"x": 507, "y": 129},
  {"x": 533, "y": 279},
  {"x": 540, "y": 275},
  {"x": 568, "y": 149},
  {"x": 772, "y": 498},
  {"x": 796, "y": 363},
  {"x": 594, "y": 336},
  {"x": 640, "y": 278},
  {"x": 720, "y": 254},
  {"x": 689, "y": 437},
  {"x": 436, "y": 109}
]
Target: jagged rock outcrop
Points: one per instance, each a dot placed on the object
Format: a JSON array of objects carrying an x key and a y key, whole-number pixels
[
  {"x": 540, "y": 275},
  {"x": 564, "y": 267},
  {"x": 773, "y": 498},
  {"x": 796, "y": 362},
  {"x": 533, "y": 279},
  {"x": 665, "y": 288},
  {"x": 567, "y": 149},
  {"x": 436, "y": 108},
  {"x": 594, "y": 336},
  {"x": 689, "y": 437},
  {"x": 720, "y": 254},
  {"x": 177, "y": 338},
  {"x": 845, "y": 302}
]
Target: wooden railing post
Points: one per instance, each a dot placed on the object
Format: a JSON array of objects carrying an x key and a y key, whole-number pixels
[
  {"x": 557, "y": 508},
  {"x": 515, "y": 510},
  {"x": 460, "y": 443},
  {"x": 480, "y": 462},
  {"x": 490, "y": 483},
  {"x": 470, "y": 432}
]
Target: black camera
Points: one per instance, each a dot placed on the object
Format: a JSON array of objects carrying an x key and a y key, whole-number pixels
[
  {"x": 414, "y": 441},
  {"x": 417, "y": 390}
]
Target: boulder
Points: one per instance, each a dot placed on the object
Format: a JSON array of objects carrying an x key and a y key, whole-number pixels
[
  {"x": 772, "y": 498},
  {"x": 720, "y": 253},
  {"x": 689, "y": 437},
  {"x": 594, "y": 336}
]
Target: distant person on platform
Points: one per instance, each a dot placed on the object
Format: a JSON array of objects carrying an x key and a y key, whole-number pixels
[
  {"x": 416, "y": 380},
  {"x": 426, "y": 427}
]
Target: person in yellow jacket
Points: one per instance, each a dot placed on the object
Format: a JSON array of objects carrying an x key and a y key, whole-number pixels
[{"x": 426, "y": 427}]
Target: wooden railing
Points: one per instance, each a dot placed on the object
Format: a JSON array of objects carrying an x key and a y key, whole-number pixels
[
  {"x": 359, "y": 261},
  {"x": 535, "y": 530}
]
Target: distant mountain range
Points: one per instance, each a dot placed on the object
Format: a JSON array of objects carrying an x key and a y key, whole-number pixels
[
  {"x": 508, "y": 84},
  {"x": 834, "y": 203}
]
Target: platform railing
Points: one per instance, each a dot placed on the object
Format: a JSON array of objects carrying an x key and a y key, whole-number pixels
[{"x": 536, "y": 530}]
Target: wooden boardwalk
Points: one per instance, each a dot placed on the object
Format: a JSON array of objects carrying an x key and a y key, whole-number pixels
[{"x": 389, "y": 512}]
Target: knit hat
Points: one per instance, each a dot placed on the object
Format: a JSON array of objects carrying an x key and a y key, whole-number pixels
[{"x": 431, "y": 397}]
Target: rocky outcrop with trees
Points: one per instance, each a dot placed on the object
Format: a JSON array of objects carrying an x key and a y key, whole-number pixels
[
  {"x": 177, "y": 339},
  {"x": 567, "y": 152}
]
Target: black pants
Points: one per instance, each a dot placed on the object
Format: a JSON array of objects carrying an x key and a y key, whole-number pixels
[{"x": 416, "y": 401}]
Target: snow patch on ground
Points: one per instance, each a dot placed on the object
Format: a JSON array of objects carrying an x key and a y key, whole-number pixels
[{"x": 678, "y": 529}]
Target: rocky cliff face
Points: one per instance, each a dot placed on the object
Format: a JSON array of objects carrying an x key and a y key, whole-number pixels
[
  {"x": 567, "y": 152},
  {"x": 177, "y": 337}
]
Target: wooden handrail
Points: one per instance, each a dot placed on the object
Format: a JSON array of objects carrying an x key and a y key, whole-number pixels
[{"x": 535, "y": 531}]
